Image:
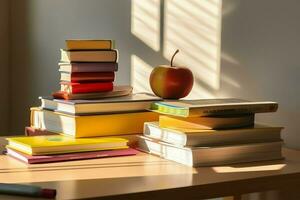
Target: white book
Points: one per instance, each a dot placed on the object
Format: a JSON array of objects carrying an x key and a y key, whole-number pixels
[
  {"x": 210, "y": 156},
  {"x": 186, "y": 137}
]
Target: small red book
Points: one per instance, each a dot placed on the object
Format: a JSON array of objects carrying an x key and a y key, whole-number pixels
[
  {"x": 30, "y": 131},
  {"x": 77, "y": 88},
  {"x": 87, "y": 77}
]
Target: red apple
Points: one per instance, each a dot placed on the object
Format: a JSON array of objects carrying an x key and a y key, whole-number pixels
[{"x": 171, "y": 82}]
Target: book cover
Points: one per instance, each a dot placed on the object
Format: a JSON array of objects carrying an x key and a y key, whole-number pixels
[
  {"x": 88, "y": 67},
  {"x": 91, "y": 125},
  {"x": 207, "y": 122},
  {"x": 70, "y": 156},
  {"x": 87, "y": 77},
  {"x": 57, "y": 144},
  {"x": 118, "y": 91},
  {"x": 128, "y": 103},
  {"x": 89, "y": 56},
  {"x": 89, "y": 44},
  {"x": 210, "y": 107},
  {"x": 76, "y": 88},
  {"x": 192, "y": 137}
]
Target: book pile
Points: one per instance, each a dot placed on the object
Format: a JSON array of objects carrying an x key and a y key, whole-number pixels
[
  {"x": 211, "y": 132},
  {"x": 88, "y": 118}
]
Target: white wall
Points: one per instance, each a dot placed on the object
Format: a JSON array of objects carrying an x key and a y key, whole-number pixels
[
  {"x": 4, "y": 66},
  {"x": 259, "y": 49}
]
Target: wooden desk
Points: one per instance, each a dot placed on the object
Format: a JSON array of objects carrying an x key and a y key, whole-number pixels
[{"x": 149, "y": 177}]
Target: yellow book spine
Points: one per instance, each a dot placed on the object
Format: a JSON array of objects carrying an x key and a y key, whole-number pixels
[
  {"x": 115, "y": 124},
  {"x": 88, "y": 44}
]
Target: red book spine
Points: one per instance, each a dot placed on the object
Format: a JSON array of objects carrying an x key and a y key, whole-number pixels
[
  {"x": 92, "y": 77},
  {"x": 76, "y": 88},
  {"x": 30, "y": 131}
]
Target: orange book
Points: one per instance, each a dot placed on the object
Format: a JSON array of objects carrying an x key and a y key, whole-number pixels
[{"x": 89, "y": 44}]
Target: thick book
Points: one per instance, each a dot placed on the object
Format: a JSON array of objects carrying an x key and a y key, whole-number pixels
[
  {"x": 128, "y": 103},
  {"x": 77, "y": 88},
  {"x": 87, "y": 77},
  {"x": 118, "y": 91},
  {"x": 210, "y": 107},
  {"x": 58, "y": 144},
  {"x": 192, "y": 137},
  {"x": 69, "y": 156},
  {"x": 89, "y": 44},
  {"x": 88, "y": 67},
  {"x": 207, "y": 122},
  {"x": 89, "y": 56},
  {"x": 91, "y": 125},
  {"x": 211, "y": 156}
]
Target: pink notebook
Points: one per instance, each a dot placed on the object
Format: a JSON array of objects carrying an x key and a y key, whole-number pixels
[{"x": 70, "y": 156}]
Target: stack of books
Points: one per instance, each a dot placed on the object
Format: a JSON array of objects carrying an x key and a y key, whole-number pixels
[
  {"x": 85, "y": 122},
  {"x": 211, "y": 132},
  {"x": 87, "y": 68}
]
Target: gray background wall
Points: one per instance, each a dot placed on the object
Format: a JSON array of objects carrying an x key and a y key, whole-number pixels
[{"x": 260, "y": 51}]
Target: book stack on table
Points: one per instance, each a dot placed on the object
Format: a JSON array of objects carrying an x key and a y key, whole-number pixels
[
  {"x": 211, "y": 132},
  {"x": 85, "y": 122}
]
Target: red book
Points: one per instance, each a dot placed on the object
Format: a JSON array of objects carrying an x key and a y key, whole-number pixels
[
  {"x": 69, "y": 156},
  {"x": 77, "y": 88},
  {"x": 87, "y": 77}
]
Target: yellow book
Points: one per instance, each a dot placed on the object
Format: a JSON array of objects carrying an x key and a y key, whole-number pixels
[
  {"x": 56, "y": 144},
  {"x": 214, "y": 122},
  {"x": 89, "y": 44},
  {"x": 91, "y": 125}
]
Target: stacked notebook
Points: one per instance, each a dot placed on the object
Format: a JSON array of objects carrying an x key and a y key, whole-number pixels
[
  {"x": 80, "y": 121},
  {"x": 87, "y": 68},
  {"x": 211, "y": 132}
]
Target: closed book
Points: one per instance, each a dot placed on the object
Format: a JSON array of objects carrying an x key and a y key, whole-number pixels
[
  {"x": 207, "y": 122},
  {"x": 89, "y": 44},
  {"x": 192, "y": 137},
  {"x": 89, "y": 56},
  {"x": 128, "y": 103},
  {"x": 58, "y": 144},
  {"x": 30, "y": 131},
  {"x": 118, "y": 91},
  {"x": 87, "y": 77},
  {"x": 88, "y": 67},
  {"x": 211, "y": 156},
  {"x": 69, "y": 156},
  {"x": 211, "y": 107},
  {"x": 91, "y": 125},
  {"x": 77, "y": 88}
]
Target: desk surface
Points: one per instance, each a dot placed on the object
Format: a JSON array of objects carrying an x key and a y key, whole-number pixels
[{"x": 145, "y": 176}]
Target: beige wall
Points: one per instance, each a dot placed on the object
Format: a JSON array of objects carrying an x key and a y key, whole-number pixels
[{"x": 4, "y": 66}]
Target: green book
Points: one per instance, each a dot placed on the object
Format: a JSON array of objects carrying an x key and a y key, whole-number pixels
[{"x": 210, "y": 107}]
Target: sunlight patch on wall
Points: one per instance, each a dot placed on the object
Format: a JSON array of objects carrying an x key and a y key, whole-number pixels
[
  {"x": 140, "y": 72},
  {"x": 194, "y": 27},
  {"x": 145, "y": 22}
]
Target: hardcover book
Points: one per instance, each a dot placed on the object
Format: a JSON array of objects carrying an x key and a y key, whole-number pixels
[
  {"x": 77, "y": 88},
  {"x": 58, "y": 144},
  {"x": 128, "y": 103},
  {"x": 88, "y": 67},
  {"x": 192, "y": 137},
  {"x": 87, "y": 77},
  {"x": 118, "y": 91},
  {"x": 91, "y": 125},
  {"x": 89, "y": 44},
  {"x": 211, "y": 156},
  {"x": 207, "y": 122},
  {"x": 211, "y": 107},
  {"x": 89, "y": 56}
]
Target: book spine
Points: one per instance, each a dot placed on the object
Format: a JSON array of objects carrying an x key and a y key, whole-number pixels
[
  {"x": 92, "y": 77},
  {"x": 87, "y": 88},
  {"x": 30, "y": 131}
]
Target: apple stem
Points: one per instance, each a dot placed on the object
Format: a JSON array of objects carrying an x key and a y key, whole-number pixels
[{"x": 173, "y": 57}]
